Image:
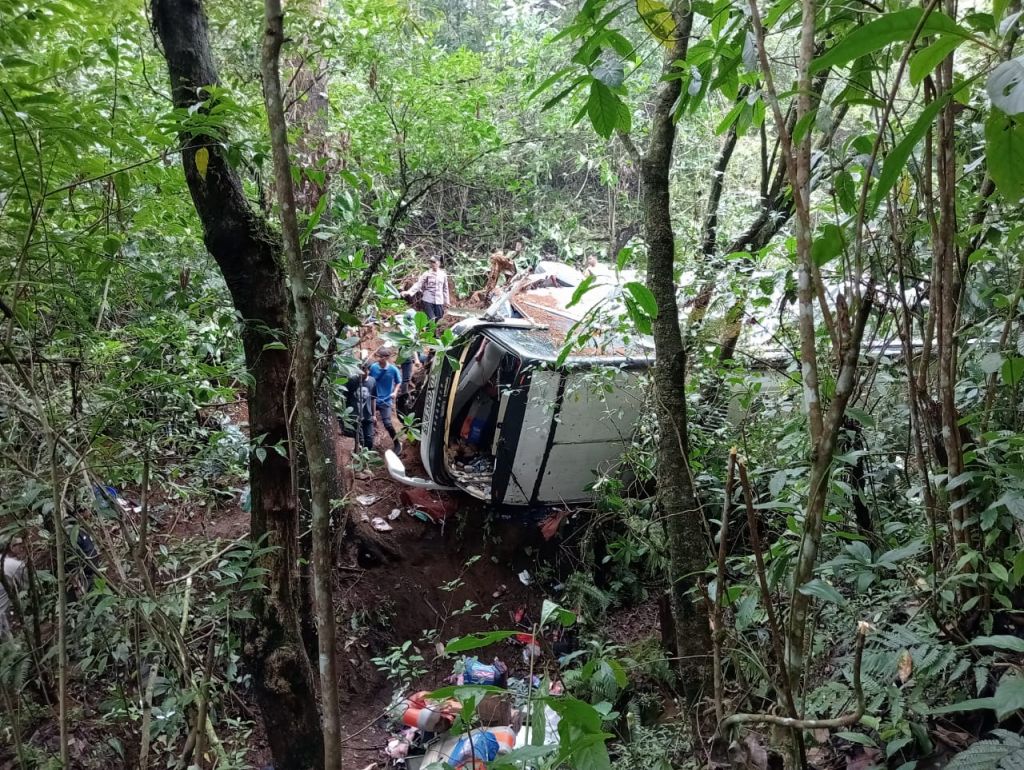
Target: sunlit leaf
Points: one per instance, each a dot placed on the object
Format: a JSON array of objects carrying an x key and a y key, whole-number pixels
[{"x": 202, "y": 161}]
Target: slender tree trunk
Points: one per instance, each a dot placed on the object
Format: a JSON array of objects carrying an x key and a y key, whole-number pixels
[
  {"x": 306, "y": 103},
  {"x": 320, "y": 475},
  {"x": 247, "y": 252},
  {"x": 677, "y": 501}
]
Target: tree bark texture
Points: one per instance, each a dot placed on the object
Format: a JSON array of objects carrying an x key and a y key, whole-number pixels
[
  {"x": 247, "y": 251},
  {"x": 676, "y": 498},
  {"x": 322, "y": 477}
]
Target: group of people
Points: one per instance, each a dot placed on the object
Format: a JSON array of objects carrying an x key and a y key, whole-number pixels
[{"x": 385, "y": 381}]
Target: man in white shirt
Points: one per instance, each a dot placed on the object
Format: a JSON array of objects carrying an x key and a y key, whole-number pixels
[{"x": 434, "y": 287}]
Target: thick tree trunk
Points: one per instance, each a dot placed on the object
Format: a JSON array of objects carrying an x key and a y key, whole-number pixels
[
  {"x": 248, "y": 252},
  {"x": 676, "y": 498},
  {"x": 322, "y": 477}
]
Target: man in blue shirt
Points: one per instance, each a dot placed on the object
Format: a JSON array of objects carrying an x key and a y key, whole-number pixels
[{"x": 388, "y": 378}]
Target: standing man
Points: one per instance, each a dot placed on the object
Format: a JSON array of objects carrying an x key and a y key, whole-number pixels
[
  {"x": 434, "y": 285},
  {"x": 388, "y": 379},
  {"x": 365, "y": 397}
]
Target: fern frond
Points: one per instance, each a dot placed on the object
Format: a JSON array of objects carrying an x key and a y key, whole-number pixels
[{"x": 1004, "y": 752}]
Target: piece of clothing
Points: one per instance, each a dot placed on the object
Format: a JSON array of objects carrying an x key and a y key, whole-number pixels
[
  {"x": 387, "y": 378},
  {"x": 364, "y": 398},
  {"x": 406, "y": 377},
  {"x": 434, "y": 312},
  {"x": 366, "y": 433},
  {"x": 384, "y": 410},
  {"x": 434, "y": 288}
]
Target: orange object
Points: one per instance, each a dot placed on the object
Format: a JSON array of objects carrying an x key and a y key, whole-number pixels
[
  {"x": 427, "y": 715},
  {"x": 506, "y": 738}
]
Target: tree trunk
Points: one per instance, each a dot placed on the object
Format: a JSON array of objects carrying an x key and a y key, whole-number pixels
[
  {"x": 247, "y": 252},
  {"x": 321, "y": 476},
  {"x": 677, "y": 501},
  {"x": 306, "y": 103}
]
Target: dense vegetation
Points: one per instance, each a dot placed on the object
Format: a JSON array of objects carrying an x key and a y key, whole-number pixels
[{"x": 823, "y": 200}]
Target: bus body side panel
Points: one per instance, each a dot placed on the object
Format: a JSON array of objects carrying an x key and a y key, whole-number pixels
[
  {"x": 527, "y": 461},
  {"x": 593, "y": 429}
]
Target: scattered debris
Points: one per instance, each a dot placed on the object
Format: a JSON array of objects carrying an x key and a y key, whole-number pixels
[
  {"x": 500, "y": 592},
  {"x": 419, "y": 742},
  {"x": 431, "y": 716},
  {"x": 483, "y": 745},
  {"x": 436, "y": 506},
  {"x": 524, "y": 577},
  {"x": 475, "y": 672},
  {"x": 380, "y": 525},
  {"x": 549, "y": 527},
  {"x": 367, "y": 500},
  {"x": 394, "y": 514}
]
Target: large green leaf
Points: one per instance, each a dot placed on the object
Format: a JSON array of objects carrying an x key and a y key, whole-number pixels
[
  {"x": 1013, "y": 371},
  {"x": 606, "y": 110},
  {"x": 828, "y": 245},
  {"x": 643, "y": 298},
  {"x": 475, "y": 641},
  {"x": 1009, "y": 696},
  {"x": 897, "y": 158},
  {"x": 822, "y": 590},
  {"x": 889, "y": 28},
  {"x": 1004, "y": 153},
  {"x": 1000, "y": 642},
  {"x": 927, "y": 59}
]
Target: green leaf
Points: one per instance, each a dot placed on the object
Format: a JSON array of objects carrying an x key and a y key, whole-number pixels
[
  {"x": 525, "y": 756},
  {"x": 1000, "y": 642},
  {"x": 845, "y": 192},
  {"x": 860, "y": 738},
  {"x": 552, "y": 611},
  {"x": 896, "y": 160},
  {"x": 466, "y": 691},
  {"x": 899, "y": 554},
  {"x": 585, "y": 285},
  {"x": 111, "y": 245},
  {"x": 1004, "y": 153},
  {"x": 927, "y": 59},
  {"x": 1013, "y": 371},
  {"x": 822, "y": 590},
  {"x": 550, "y": 81},
  {"x": 1009, "y": 696},
  {"x": 658, "y": 18},
  {"x": 643, "y": 297},
  {"x": 623, "y": 257},
  {"x": 991, "y": 362},
  {"x": 605, "y": 109},
  {"x": 888, "y": 28},
  {"x": 974, "y": 704},
  {"x": 999, "y": 571},
  {"x": 475, "y": 641},
  {"x": 828, "y": 245}
]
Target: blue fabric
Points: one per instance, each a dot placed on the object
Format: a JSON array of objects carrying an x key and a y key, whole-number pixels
[{"x": 387, "y": 378}]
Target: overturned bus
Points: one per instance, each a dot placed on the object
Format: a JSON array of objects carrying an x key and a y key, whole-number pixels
[{"x": 507, "y": 422}]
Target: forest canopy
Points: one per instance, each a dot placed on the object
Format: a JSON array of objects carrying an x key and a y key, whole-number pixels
[{"x": 216, "y": 216}]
